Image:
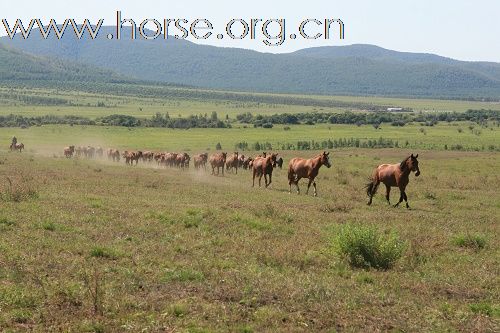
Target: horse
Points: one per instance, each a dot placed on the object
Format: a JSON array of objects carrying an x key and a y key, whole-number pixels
[
  {"x": 232, "y": 162},
  {"x": 170, "y": 159},
  {"x": 114, "y": 154},
  {"x": 68, "y": 151},
  {"x": 182, "y": 160},
  {"x": 393, "y": 175},
  {"x": 147, "y": 156},
  {"x": 89, "y": 151},
  {"x": 218, "y": 161},
  {"x": 247, "y": 163},
  {"x": 79, "y": 151},
  {"x": 279, "y": 163},
  {"x": 17, "y": 146},
  {"x": 130, "y": 157},
  {"x": 99, "y": 152},
  {"x": 301, "y": 168},
  {"x": 200, "y": 160},
  {"x": 241, "y": 161},
  {"x": 263, "y": 166}
]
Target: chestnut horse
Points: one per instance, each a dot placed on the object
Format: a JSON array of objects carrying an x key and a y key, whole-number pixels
[
  {"x": 200, "y": 160},
  {"x": 232, "y": 162},
  {"x": 393, "y": 175},
  {"x": 68, "y": 151},
  {"x": 263, "y": 166},
  {"x": 218, "y": 161},
  {"x": 300, "y": 168}
]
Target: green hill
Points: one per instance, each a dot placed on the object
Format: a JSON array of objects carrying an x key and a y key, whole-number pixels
[
  {"x": 17, "y": 67},
  {"x": 356, "y": 69}
]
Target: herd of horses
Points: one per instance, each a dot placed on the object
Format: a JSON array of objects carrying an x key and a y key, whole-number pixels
[{"x": 261, "y": 166}]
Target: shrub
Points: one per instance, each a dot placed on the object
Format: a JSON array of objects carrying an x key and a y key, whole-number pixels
[
  {"x": 183, "y": 275},
  {"x": 366, "y": 247},
  {"x": 475, "y": 242},
  {"x": 485, "y": 308},
  {"x": 102, "y": 252}
]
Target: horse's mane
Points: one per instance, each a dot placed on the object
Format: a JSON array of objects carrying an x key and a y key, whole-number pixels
[{"x": 402, "y": 165}]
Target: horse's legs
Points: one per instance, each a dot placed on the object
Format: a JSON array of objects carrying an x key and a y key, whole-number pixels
[
  {"x": 309, "y": 185},
  {"x": 270, "y": 179},
  {"x": 260, "y": 178},
  {"x": 373, "y": 191},
  {"x": 387, "y": 193},
  {"x": 406, "y": 200},
  {"x": 401, "y": 197},
  {"x": 315, "y": 192},
  {"x": 253, "y": 178}
]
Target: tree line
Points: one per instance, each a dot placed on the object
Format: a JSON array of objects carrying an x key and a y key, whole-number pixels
[{"x": 266, "y": 121}]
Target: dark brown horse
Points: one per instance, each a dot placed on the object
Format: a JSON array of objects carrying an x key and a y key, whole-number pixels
[
  {"x": 218, "y": 161},
  {"x": 393, "y": 175},
  {"x": 263, "y": 166},
  {"x": 300, "y": 168},
  {"x": 279, "y": 163}
]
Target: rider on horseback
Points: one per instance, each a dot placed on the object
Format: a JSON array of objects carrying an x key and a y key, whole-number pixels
[{"x": 14, "y": 142}]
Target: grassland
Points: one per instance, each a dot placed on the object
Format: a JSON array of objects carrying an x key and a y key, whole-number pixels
[
  {"x": 52, "y": 138},
  {"x": 85, "y": 104},
  {"x": 96, "y": 246}
]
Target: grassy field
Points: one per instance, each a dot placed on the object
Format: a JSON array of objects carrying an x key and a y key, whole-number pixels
[
  {"x": 85, "y": 104},
  {"x": 53, "y": 138},
  {"x": 91, "y": 246},
  {"x": 96, "y": 246}
]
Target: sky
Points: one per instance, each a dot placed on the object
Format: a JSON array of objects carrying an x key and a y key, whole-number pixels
[{"x": 459, "y": 29}]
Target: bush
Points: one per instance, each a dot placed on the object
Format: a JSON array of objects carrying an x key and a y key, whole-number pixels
[
  {"x": 366, "y": 247},
  {"x": 475, "y": 242}
]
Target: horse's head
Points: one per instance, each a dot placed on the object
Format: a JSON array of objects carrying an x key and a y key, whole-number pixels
[
  {"x": 224, "y": 156},
  {"x": 274, "y": 159},
  {"x": 411, "y": 163},
  {"x": 264, "y": 154},
  {"x": 325, "y": 159}
]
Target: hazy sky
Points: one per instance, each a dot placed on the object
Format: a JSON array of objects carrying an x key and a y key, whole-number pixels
[{"x": 465, "y": 30}]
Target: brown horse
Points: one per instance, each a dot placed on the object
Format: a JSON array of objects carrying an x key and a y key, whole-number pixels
[
  {"x": 232, "y": 162},
  {"x": 200, "y": 160},
  {"x": 68, "y": 151},
  {"x": 17, "y": 146},
  {"x": 99, "y": 152},
  {"x": 218, "y": 161},
  {"x": 393, "y": 175},
  {"x": 182, "y": 160},
  {"x": 300, "y": 168},
  {"x": 263, "y": 166},
  {"x": 114, "y": 154},
  {"x": 132, "y": 156}
]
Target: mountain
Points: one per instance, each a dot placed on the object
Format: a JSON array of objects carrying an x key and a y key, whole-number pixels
[
  {"x": 355, "y": 69},
  {"x": 19, "y": 67}
]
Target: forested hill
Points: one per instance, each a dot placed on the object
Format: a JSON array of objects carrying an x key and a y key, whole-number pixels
[
  {"x": 19, "y": 68},
  {"x": 355, "y": 69}
]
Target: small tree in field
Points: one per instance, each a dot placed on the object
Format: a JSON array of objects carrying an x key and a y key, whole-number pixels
[{"x": 218, "y": 146}]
